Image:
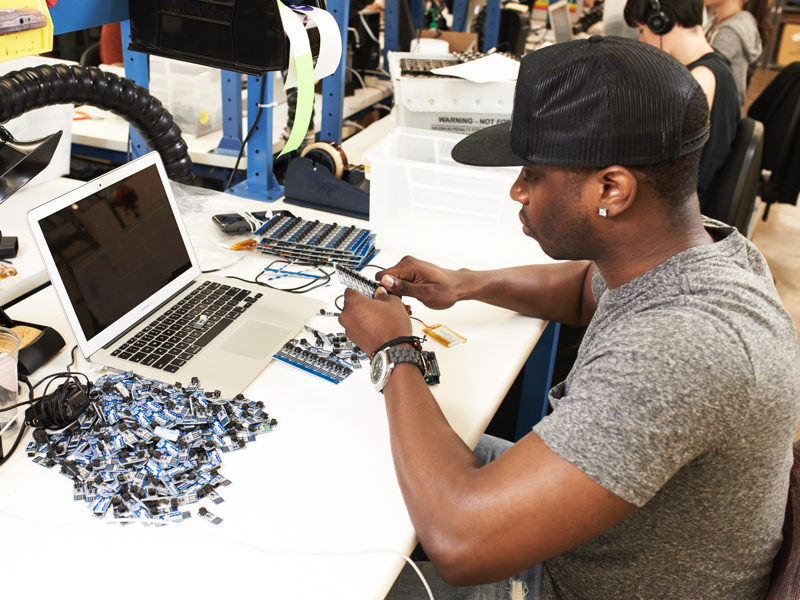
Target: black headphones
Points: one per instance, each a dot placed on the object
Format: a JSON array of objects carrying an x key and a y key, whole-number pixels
[{"x": 659, "y": 19}]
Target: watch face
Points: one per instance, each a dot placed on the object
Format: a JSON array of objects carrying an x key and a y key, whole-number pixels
[{"x": 376, "y": 371}]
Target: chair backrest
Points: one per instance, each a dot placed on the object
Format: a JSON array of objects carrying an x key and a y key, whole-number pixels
[
  {"x": 778, "y": 108},
  {"x": 732, "y": 193},
  {"x": 91, "y": 56},
  {"x": 785, "y": 576}
]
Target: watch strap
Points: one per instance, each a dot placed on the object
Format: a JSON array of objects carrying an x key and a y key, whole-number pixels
[
  {"x": 405, "y": 339},
  {"x": 404, "y": 354}
]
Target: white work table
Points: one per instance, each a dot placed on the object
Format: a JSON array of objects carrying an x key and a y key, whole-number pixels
[
  {"x": 28, "y": 263},
  {"x": 303, "y": 496},
  {"x": 322, "y": 482}
]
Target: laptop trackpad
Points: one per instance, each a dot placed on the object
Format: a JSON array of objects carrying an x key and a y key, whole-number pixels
[{"x": 255, "y": 339}]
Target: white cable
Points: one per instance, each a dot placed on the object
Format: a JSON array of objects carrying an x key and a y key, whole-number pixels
[
  {"x": 11, "y": 422},
  {"x": 358, "y": 126},
  {"x": 250, "y": 220},
  {"x": 367, "y": 27},
  {"x": 358, "y": 39},
  {"x": 361, "y": 79},
  {"x": 377, "y": 72}
]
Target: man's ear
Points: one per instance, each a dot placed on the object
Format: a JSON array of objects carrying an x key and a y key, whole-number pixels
[{"x": 616, "y": 189}]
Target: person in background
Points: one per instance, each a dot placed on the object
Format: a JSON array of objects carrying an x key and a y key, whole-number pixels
[
  {"x": 739, "y": 29},
  {"x": 676, "y": 27},
  {"x": 111, "y": 45}
]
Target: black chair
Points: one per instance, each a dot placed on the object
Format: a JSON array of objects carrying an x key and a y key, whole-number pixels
[
  {"x": 785, "y": 575},
  {"x": 732, "y": 194},
  {"x": 778, "y": 108},
  {"x": 91, "y": 56}
]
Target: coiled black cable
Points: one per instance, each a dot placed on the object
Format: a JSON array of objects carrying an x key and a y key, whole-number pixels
[{"x": 46, "y": 85}]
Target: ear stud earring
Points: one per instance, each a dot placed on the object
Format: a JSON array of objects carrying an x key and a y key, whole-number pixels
[{"x": 603, "y": 212}]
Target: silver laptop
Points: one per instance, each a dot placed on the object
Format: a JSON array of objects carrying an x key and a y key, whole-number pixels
[
  {"x": 119, "y": 257},
  {"x": 560, "y": 21}
]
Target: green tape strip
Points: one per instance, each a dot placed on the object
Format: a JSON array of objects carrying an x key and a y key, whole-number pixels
[{"x": 305, "y": 102}]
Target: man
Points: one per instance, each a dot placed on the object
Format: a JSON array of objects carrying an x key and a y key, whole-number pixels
[{"x": 663, "y": 468}]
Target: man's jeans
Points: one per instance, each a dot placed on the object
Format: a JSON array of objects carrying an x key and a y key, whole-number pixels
[{"x": 527, "y": 585}]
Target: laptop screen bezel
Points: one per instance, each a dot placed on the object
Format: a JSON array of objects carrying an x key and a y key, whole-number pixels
[{"x": 114, "y": 330}]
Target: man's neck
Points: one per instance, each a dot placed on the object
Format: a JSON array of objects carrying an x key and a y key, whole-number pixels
[{"x": 646, "y": 250}]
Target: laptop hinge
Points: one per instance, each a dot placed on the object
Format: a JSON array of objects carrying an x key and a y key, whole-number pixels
[{"x": 149, "y": 315}]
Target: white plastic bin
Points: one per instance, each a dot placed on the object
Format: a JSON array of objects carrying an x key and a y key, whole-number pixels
[
  {"x": 191, "y": 93},
  {"x": 448, "y": 104},
  {"x": 424, "y": 203}
]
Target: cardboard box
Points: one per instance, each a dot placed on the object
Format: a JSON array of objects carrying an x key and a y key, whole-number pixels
[
  {"x": 459, "y": 41},
  {"x": 789, "y": 48},
  {"x": 448, "y": 104}
]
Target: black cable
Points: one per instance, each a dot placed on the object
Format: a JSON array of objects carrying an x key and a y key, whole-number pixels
[
  {"x": 72, "y": 354},
  {"x": 250, "y": 132},
  {"x": 336, "y": 303},
  {"x": 48, "y": 85}
]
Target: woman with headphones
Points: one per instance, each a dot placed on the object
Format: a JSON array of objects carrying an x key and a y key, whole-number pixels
[{"x": 676, "y": 26}]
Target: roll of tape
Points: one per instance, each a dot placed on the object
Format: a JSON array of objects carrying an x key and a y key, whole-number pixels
[{"x": 331, "y": 149}]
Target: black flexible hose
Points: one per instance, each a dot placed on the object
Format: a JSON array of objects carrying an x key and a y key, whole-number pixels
[{"x": 46, "y": 85}]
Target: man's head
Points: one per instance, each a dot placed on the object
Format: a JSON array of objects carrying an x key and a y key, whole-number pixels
[{"x": 596, "y": 110}]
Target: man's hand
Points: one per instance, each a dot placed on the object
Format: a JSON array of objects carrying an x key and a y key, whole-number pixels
[
  {"x": 435, "y": 287},
  {"x": 369, "y": 323}
]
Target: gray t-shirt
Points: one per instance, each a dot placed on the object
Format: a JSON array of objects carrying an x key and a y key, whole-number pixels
[{"x": 683, "y": 400}]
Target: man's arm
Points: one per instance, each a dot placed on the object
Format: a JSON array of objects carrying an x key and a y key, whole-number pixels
[
  {"x": 558, "y": 292},
  {"x": 477, "y": 523},
  {"x": 484, "y": 523}
]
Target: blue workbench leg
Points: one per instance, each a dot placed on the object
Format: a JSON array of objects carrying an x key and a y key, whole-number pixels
[
  {"x": 391, "y": 30},
  {"x": 460, "y": 17},
  {"x": 137, "y": 68},
  {"x": 333, "y": 85},
  {"x": 232, "y": 137},
  {"x": 491, "y": 31},
  {"x": 261, "y": 183},
  {"x": 537, "y": 380}
]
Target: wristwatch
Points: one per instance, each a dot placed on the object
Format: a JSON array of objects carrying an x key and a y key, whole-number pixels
[{"x": 386, "y": 360}]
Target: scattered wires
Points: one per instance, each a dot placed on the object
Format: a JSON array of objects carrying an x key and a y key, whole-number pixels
[
  {"x": 7, "y": 271},
  {"x": 421, "y": 321},
  {"x": 378, "y": 72},
  {"x": 358, "y": 75},
  {"x": 316, "y": 281},
  {"x": 367, "y": 28}
]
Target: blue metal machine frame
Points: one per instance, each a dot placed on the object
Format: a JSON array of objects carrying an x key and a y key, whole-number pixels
[{"x": 260, "y": 184}]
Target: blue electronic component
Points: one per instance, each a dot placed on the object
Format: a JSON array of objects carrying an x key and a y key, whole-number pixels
[
  {"x": 315, "y": 242},
  {"x": 144, "y": 448},
  {"x": 332, "y": 357}
]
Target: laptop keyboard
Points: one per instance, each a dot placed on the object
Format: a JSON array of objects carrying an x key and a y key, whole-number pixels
[{"x": 173, "y": 339}]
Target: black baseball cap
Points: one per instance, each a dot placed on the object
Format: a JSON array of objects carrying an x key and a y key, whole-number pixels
[{"x": 595, "y": 102}]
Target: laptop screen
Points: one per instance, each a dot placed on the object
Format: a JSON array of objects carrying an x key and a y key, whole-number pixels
[
  {"x": 115, "y": 248},
  {"x": 560, "y": 21}
]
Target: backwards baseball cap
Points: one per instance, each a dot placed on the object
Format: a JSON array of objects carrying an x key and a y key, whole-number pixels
[{"x": 591, "y": 103}]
